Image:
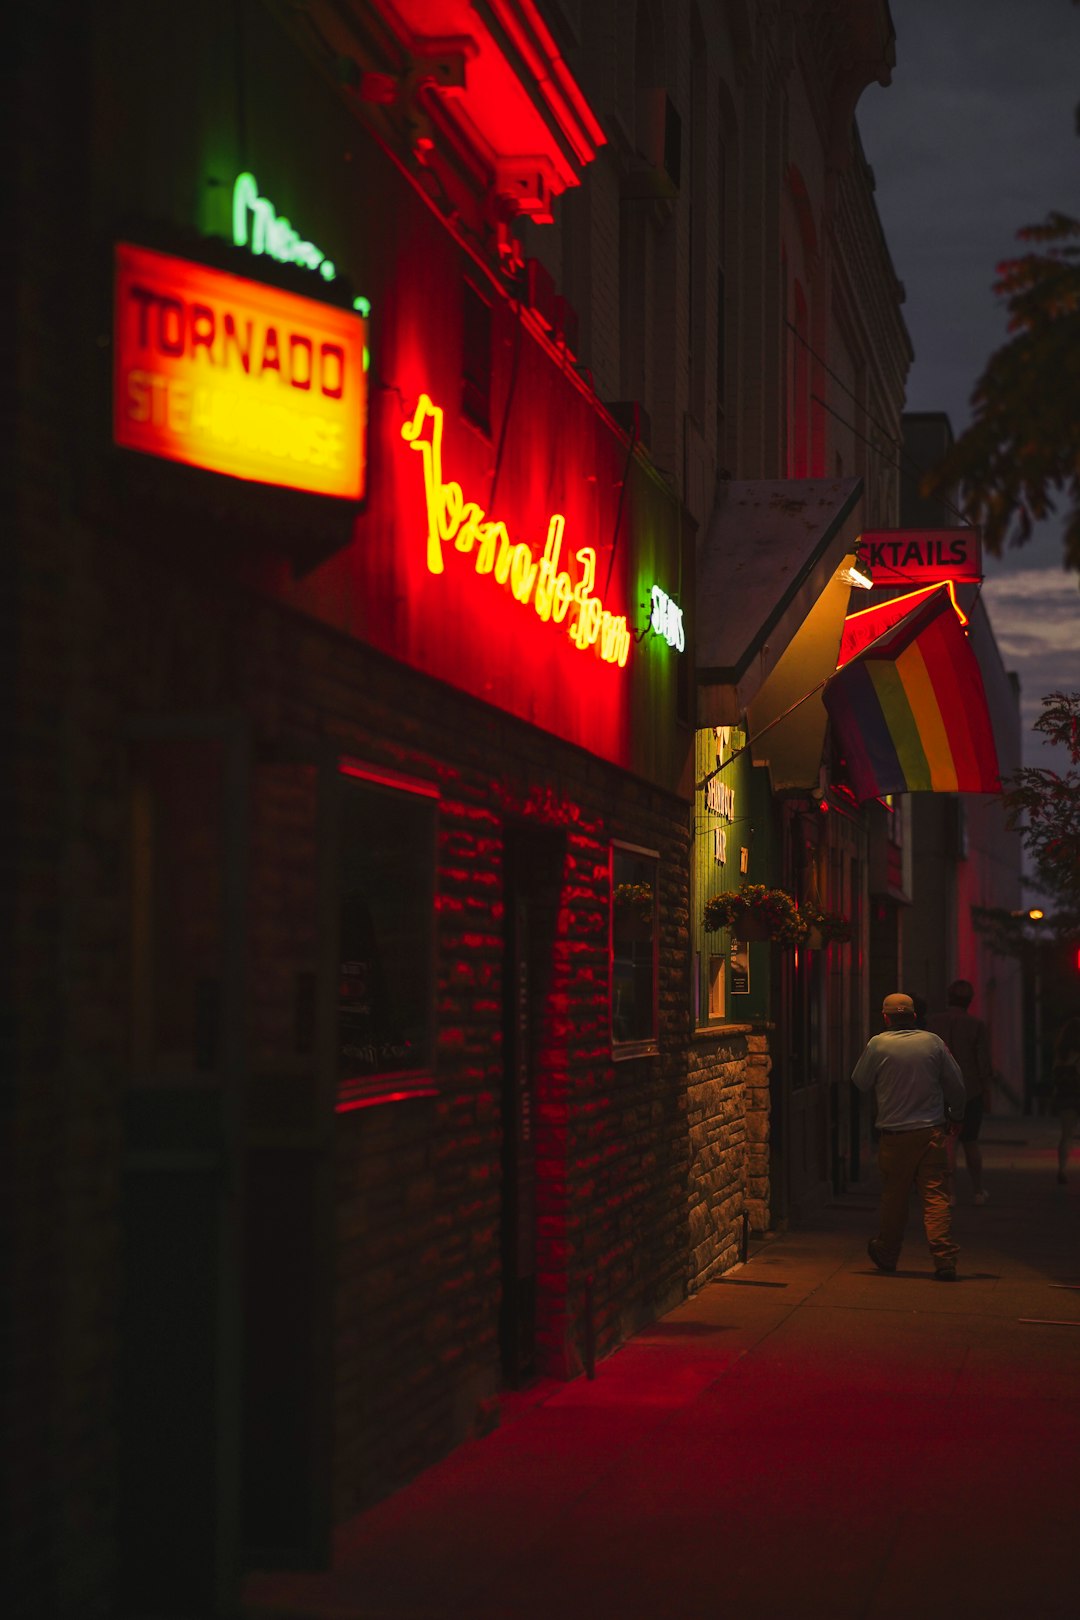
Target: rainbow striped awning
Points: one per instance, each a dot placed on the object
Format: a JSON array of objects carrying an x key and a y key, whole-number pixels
[{"x": 910, "y": 710}]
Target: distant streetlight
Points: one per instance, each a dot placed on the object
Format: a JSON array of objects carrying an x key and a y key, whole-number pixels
[{"x": 1036, "y": 915}]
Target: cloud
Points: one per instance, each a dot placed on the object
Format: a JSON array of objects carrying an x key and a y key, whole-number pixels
[
  {"x": 974, "y": 138},
  {"x": 1035, "y": 615}
]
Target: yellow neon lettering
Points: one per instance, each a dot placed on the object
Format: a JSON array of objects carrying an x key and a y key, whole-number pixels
[
  {"x": 493, "y": 537},
  {"x": 505, "y": 557},
  {"x": 523, "y": 572},
  {"x": 450, "y": 517},
  {"x": 545, "y": 586},
  {"x": 431, "y": 456}
]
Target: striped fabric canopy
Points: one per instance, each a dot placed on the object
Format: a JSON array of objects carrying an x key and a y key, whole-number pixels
[{"x": 910, "y": 710}]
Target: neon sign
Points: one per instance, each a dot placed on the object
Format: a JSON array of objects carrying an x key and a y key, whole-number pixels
[
  {"x": 667, "y": 619},
  {"x": 541, "y": 581},
  {"x": 227, "y": 374},
  {"x": 258, "y": 226},
  {"x": 914, "y": 556}
]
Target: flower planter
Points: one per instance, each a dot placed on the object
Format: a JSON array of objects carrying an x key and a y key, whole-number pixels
[
  {"x": 756, "y": 913},
  {"x": 751, "y": 927},
  {"x": 827, "y": 928}
]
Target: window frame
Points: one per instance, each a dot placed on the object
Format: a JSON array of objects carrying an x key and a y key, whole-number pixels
[
  {"x": 392, "y": 1085},
  {"x": 649, "y": 1045}
]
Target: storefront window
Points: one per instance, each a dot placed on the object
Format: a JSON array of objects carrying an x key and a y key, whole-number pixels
[
  {"x": 476, "y": 360},
  {"x": 724, "y": 858},
  {"x": 387, "y": 921},
  {"x": 634, "y": 932}
]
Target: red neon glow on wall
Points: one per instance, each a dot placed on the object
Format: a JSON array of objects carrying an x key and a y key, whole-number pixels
[
  {"x": 220, "y": 372},
  {"x": 515, "y": 101},
  {"x": 543, "y": 582}
]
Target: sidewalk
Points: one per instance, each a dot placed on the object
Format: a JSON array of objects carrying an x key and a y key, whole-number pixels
[{"x": 807, "y": 1437}]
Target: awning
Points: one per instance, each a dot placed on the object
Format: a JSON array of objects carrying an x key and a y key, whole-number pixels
[
  {"x": 771, "y": 604},
  {"x": 910, "y": 710}
]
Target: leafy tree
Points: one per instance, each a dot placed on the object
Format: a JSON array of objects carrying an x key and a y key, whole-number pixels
[
  {"x": 1023, "y": 444},
  {"x": 1046, "y": 807}
]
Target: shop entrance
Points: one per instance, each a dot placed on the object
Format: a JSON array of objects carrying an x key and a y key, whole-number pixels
[
  {"x": 226, "y": 1217},
  {"x": 532, "y": 877}
]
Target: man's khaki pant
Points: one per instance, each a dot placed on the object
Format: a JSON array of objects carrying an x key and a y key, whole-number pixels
[{"x": 915, "y": 1156}]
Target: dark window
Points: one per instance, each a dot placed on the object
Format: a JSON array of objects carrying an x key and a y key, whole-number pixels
[
  {"x": 387, "y": 922},
  {"x": 634, "y": 933},
  {"x": 476, "y": 359}
]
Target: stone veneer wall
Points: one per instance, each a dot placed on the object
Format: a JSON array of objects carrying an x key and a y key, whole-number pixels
[{"x": 728, "y": 1137}]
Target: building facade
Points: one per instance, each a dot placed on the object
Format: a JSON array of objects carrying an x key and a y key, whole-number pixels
[
  {"x": 965, "y": 860},
  {"x": 442, "y": 436}
]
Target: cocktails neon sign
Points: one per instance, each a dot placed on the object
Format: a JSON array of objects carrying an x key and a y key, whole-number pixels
[
  {"x": 227, "y": 374},
  {"x": 541, "y": 581}
]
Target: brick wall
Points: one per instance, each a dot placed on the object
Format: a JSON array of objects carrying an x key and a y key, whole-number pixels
[
  {"x": 419, "y": 1182},
  {"x": 418, "y": 1265},
  {"x": 728, "y": 1135},
  {"x": 58, "y": 1120}
]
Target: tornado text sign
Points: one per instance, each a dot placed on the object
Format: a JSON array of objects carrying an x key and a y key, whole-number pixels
[{"x": 240, "y": 378}]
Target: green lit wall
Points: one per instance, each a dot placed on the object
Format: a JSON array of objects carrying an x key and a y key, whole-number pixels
[{"x": 732, "y": 814}]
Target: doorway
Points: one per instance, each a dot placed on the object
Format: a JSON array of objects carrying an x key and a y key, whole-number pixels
[
  {"x": 532, "y": 881},
  {"x": 225, "y": 1319}
]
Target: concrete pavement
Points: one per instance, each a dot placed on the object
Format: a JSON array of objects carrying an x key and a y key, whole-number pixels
[{"x": 806, "y": 1437}]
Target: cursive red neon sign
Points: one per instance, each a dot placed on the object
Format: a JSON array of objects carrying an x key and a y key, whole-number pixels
[{"x": 553, "y": 595}]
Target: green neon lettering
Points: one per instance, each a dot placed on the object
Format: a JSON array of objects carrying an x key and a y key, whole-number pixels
[
  {"x": 245, "y": 195},
  {"x": 260, "y": 228},
  {"x": 257, "y": 225}
]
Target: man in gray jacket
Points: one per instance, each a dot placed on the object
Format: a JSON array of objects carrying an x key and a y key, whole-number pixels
[{"x": 920, "y": 1100}]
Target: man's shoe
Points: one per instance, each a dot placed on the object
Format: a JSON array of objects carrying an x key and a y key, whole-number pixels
[
  {"x": 945, "y": 1274},
  {"x": 874, "y": 1252},
  {"x": 982, "y": 1197}
]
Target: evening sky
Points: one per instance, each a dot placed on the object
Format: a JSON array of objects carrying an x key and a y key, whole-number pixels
[{"x": 975, "y": 137}]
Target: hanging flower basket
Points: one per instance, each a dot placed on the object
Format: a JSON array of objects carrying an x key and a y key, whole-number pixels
[
  {"x": 756, "y": 913},
  {"x": 633, "y": 903},
  {"x": 826, "y": 928}
]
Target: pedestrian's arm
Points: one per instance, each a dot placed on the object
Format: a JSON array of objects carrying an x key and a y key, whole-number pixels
[
  {"x": 864, "y": 1071},
  {"x": 952, "y": 1085}
]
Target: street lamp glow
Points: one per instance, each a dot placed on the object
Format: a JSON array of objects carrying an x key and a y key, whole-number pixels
[{"x": 1035, "y": 914}]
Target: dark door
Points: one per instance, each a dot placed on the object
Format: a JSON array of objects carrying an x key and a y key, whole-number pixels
[
  {"x": 287, "y": 1120},
  {"x": 224, "y": 1297},
  {"x": 179, "y": 1312},
  {"x": 532, "y": 877}
]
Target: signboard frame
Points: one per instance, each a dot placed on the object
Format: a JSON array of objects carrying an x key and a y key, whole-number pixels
[
  {"x": 236, "y": 376},
  {"x": 921, "y": 556}
]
